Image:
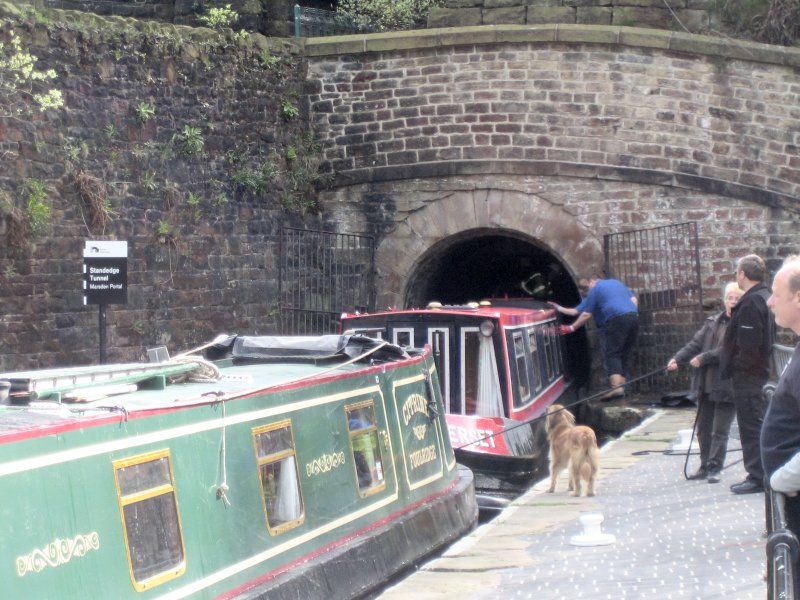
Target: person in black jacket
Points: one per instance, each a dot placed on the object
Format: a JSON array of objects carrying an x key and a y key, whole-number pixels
[
  {"x": 745, "y": 360},
  {"x": 780, "y": 435},
  {"x": 715, "y": 409}
]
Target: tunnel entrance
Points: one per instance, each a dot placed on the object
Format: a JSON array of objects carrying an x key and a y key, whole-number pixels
[{"x": 484, "y": 263}]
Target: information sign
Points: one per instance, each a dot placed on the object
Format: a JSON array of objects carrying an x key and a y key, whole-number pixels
[{"x": 105, "y": 272}]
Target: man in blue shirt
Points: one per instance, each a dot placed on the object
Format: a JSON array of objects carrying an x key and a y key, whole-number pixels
[{"x": 615, "y": 311}]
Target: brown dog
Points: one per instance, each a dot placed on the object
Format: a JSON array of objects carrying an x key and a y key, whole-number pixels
[{"x": 571, "y": 444}]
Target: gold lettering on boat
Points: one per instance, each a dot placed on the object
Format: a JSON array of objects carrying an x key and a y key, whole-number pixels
[
  {"x": 56, "y": 553},
  {"x": 420, "y": 430},
  {"x": 422, "y": 456},
  {"x": 325, "y": 463},
  {"x": 414, "y": 404}
]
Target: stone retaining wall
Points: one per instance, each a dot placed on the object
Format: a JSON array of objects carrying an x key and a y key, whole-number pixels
[
  {"x": 681, "y": 15},
  {"x": 202, "y": 230}
]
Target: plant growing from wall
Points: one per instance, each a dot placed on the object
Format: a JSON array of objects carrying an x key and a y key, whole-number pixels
[
  {"x": 388, "y": 15},
  {"x": 92, "y": 192},
  {"x": 302, "y": 178},
  {"x": 189, "y": 141},
  {"x": 38, "y": 210},
  {"x": 23, "y": 87},
  {"x": 144, "y": 112},
  {"x": 220, "y": 17},
  {"x": 289, "y": 111}
]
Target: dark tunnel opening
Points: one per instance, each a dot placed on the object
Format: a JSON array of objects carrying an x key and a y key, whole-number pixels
[{"x": 485, "y": 264}]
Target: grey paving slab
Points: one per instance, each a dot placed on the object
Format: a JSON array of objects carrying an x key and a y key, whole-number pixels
[{"x": 674, "y": 538}]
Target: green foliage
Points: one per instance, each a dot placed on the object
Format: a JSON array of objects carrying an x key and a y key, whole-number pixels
[
  {"x": 217, "y": 18},
  {"x": 193, "y": 200},
  {"x": 269, "y": 60},
  {"x": 388, "y": 15},
  {"x": 138, "y": 327},
  {"x": 38, "y": 210},
  {"x": 20, "y": 81},
  {"x": 10, "y": 272},
  {"x": 302, "y": 178},
  {"x": 189, "y": 141},
  {"x": 289, "y": 111},
  {"x": 110, "y": 130},
  {"x": 256, "y": 180},
  {"x": 144, "y": 112},
  {"x": 770, "y": 21}
]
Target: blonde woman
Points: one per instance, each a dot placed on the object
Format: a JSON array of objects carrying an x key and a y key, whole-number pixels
[{"x": 715, "y": 408}]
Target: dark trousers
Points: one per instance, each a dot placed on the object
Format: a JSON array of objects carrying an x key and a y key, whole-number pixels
[
  {"x": 750, "y": 408},
  {"x": 618, "y": 339},
  {"x": 713, "y": 426}
]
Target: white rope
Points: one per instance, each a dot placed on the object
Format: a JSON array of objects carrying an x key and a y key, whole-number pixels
[
  {"x": 204, "y": 372},
  {"x": 222, "y": 488}
]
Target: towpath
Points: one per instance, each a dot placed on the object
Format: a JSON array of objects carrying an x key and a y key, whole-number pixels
[{"x": 674, "y": 538}]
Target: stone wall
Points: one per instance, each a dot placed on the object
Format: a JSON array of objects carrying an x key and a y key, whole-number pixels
[
  {"x": 270, "y": 18},
  {"x": 200, "y": 210},
  {"x": 620, "y": 128},
  {"x": 681, "y": 15}
]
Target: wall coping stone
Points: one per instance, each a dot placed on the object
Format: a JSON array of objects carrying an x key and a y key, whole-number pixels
[
  {"x": 675, "y": 41},
  {"x": 567, "y": 169}
]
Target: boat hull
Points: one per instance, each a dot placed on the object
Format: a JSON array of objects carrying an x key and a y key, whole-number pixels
[
  {"x": 387, "y": 548},
  {"x": 505, "y": 455}
]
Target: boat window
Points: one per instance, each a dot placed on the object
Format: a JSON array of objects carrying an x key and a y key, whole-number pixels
[
  {"x": 480, "y": 381},
  {"x": 439, "y": 339},
  {"x": 363, "y": 430},
  {"x": 523, "y": 384},
  {"x": 403, "y": 337},
  {"x": 548, "y": 353},
  {"x": 557, "y": 359},
  {"x": 536, "y": 370},
  {"x": 150, "y": 521},
  {"x": 280, "y": 482}
]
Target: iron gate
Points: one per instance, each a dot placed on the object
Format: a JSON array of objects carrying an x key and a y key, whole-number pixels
[
  {"x": 323, "y": 274},
  {"x": 662, "y": 265}
]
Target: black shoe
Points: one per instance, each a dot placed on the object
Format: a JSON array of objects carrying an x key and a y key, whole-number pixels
[
  {"x": 713, "y": 477},
  {"x": 748, "y": 486},
  {"x": 699, "y": 474}
]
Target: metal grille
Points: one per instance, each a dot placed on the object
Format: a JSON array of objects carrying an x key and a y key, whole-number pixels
[
  {"x": 314, "y": 22},
  {"x": 662, "y": 265},
  {"x": 323, "y": 274}
]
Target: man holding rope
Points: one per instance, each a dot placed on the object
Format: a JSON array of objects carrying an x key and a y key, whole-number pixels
[{"x": 745, "y": 360}]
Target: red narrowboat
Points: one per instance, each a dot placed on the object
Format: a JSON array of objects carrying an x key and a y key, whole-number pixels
[{"x": 499, "y": 366}]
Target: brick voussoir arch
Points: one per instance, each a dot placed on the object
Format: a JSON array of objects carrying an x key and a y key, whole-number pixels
[
  {"x": 475, "y": 212},
  {"x": 555, "y": 168}
]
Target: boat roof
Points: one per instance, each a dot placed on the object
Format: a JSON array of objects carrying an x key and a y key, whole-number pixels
[
  {"x": 137, "y": 389},
  {"x": 508, "y": 315}
]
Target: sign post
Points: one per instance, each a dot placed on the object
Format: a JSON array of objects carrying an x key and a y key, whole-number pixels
[{"x": 105, "y": 280}]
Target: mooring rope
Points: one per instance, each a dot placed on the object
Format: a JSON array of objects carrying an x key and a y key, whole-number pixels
[{"x": 567, "y": 407}]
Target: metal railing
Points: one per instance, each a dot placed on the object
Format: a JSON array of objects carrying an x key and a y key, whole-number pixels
[
  {"x": 315, "y": 22},
  {"x": 782, "y": 550}
]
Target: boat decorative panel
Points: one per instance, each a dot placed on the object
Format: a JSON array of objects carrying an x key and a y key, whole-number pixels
[
  {"x": 325, "y": 463},
  {"x": 58, "y": 552}
]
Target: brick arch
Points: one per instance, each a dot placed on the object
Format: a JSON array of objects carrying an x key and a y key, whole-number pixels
[{"x": 465, "y": 212}]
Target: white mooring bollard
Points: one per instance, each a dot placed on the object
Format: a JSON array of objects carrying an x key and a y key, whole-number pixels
[
  {"x": 592, "y": 536},
  {"x": 680, "y": 445}
]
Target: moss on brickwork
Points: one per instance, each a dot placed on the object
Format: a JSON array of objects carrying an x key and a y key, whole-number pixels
[{"x": 180, "y": 139}]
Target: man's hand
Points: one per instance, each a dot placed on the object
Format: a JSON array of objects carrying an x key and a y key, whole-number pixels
[
  {"x": 555, "y": 305},
  {"x": 565, "y": 329},
  {"x": 695, "y": 362},
  {"x": 672, "y": 365}
]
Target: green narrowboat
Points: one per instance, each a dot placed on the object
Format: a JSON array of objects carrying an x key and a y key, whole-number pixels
[{"x": 272, "y": 468}]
